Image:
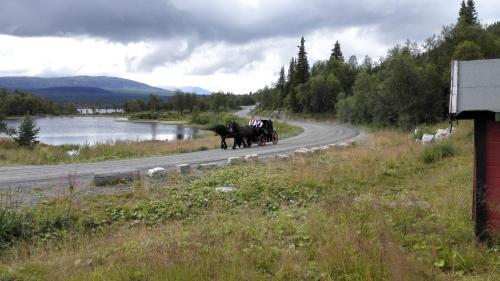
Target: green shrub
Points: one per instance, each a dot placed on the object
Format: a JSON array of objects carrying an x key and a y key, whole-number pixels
[
  {"x": 435, "y": 152},
  {"x": 146, "y": 115},
  {"x": 13, "y": 227},
  {"x": 208, "y": 119}
]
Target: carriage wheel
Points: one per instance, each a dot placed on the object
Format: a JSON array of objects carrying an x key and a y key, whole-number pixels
[
  {"x": 274, "y": 137},
  {"x": 262, "y": 140}
]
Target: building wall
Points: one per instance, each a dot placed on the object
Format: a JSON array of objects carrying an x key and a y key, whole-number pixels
[{"x": 492, "y": 177}]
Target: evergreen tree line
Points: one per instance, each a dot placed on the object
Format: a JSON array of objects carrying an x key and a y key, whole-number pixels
[
  {"x": 410, "y": 85},
  {"x": 19, "y": 103},
  {"x": 185, "y": 102}
]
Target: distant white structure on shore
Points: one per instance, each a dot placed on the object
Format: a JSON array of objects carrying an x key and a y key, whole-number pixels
[{"x": 99, "y": 110}]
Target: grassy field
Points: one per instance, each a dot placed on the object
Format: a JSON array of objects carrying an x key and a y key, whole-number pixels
[
  {"x": 387, "y": 209},
  {"x": 11, "y": 154}
]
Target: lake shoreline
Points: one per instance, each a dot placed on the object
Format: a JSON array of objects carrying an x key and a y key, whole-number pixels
[
  {"x": 85, "y": 130},
  {"x": 20, "y": 117},
  {"x": 163, "y": 122}
]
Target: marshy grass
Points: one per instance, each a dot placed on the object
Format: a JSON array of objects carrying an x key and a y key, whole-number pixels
[{"x": 369, "y": 212}]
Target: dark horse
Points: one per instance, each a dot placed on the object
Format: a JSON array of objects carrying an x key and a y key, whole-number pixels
[
  {"x": 248, "y": 134},
  {"x": 225, "y": 133}
]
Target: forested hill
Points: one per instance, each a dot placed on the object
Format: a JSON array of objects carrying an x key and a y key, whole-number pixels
[
  {"x": 407, "y": 87},
  {"x": 83, "y": 89},
  {"x": 113, "y": 84}
]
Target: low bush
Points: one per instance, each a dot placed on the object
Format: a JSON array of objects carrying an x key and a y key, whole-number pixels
[
  {"x": 146, "y": 115},
  {"x": 208, "y": 119},
  {"x": 435, "y": 152},
  {"x": 13, "y": 227}
]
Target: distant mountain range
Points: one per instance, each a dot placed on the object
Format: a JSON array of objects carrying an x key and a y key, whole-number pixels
[
  {"x": 84, "y": 89},
  {"x": 188, "y": 89}
]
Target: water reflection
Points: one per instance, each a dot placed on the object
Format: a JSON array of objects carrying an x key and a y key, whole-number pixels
[
  {"x": 154, "y": 130},
  {"x": 92, "y": 130},
  {"x": 180, "y": 132}
]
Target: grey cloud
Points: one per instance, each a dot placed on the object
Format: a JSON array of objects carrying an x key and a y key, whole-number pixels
[
  {"x": 122, "y": 20},
  {"x": 178, "y": 27},
  {"x": 229, "y": 21},
  {"x": 164, "y": 52},
  {"x": 229, "y": 59}
]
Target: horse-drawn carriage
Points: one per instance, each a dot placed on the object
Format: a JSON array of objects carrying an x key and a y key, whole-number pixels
[
  {"x": 246, "y": 135},
  {"x": 266, "y": 133}
]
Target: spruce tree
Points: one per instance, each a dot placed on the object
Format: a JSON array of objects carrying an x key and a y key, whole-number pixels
[
  {"x": 280, "y": 93},
  {"x": 280, "y": 85},
  {"x": 27, "y": 134},
  {"x": 302, "y": 68},
  {"x": 472, "y": 12},
  {"x": 290, "y": 81},
  {"x": 468, "y": 13},
  {"x": 337, "y": 52},
  {"x": 462, "y": 12}
]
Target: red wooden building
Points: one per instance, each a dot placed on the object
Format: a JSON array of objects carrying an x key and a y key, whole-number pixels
[{"x": 475, "y": 94}]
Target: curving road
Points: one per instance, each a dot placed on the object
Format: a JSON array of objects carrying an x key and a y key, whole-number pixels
[{"x": 314, "y": 134}]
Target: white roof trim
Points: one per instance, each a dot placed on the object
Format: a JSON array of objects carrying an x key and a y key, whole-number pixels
[{"x": 454, "y": 87}]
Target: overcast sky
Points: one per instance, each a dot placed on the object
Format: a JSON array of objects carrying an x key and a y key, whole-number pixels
[{"x": 230, "y": 45}]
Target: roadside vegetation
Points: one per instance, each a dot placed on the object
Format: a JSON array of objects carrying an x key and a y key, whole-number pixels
[{"x": 375, "y": 211}]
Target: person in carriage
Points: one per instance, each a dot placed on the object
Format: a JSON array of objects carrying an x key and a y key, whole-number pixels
[
  {"x": 257, "y": 123},
  {"x": 262, "y": 126},
  {"x": 260, "y": 131}
]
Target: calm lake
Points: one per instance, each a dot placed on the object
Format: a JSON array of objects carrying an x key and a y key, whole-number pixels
[{"x": 92, "y": 130}]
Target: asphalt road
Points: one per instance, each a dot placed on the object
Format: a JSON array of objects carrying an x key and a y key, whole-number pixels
[{"x": 314, "y": 134}]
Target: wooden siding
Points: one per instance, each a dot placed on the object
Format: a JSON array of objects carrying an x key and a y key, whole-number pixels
[{"x": 492, "y": 177}]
